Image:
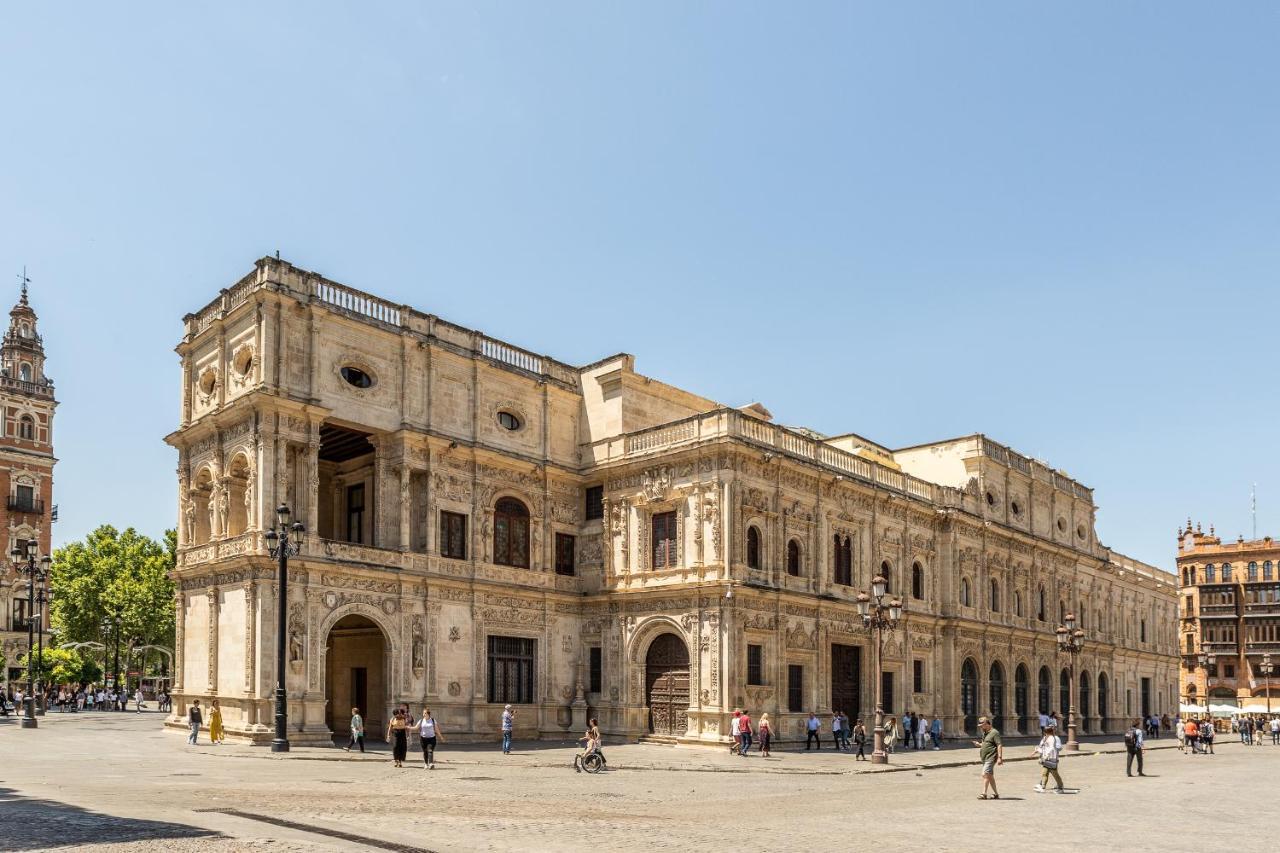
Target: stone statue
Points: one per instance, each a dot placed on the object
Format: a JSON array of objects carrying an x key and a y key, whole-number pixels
[
  {"x": 295, "y": 645},
  {"x": 189, "y": 516}
]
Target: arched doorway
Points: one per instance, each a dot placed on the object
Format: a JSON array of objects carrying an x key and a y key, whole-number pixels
[
  {"x": 1043, "y": 705},
  {"x": 1064, "y": 696},
  {"x": 1103, "y": 700},
  {"x": 666, "y": 685},
  {"x": 969, "y": 695},
  {"x": 355, "y": 674},
  {"x": 1085, "y": 690},
  {"x": 1021, "y": 687},
  {"x": 995, "y": 692}
]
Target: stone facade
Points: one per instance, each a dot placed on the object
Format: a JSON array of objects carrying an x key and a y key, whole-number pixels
[
  {"x": 577, "y": 539},
  {"x": 26, "y": 474},
  {"x": 1230, "y": 607}
]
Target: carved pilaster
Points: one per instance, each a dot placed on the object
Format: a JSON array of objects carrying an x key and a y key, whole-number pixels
[{"x": 213, "y": 640}]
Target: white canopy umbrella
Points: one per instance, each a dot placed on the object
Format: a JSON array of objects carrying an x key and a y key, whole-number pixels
[
  {"x": 1255, "y": 708},
  {"x": 1224, "y": 710},
  {"x": 1192, "y": 709}
]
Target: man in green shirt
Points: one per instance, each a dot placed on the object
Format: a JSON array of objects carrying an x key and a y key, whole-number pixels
[{"x": 991, "y": 751}]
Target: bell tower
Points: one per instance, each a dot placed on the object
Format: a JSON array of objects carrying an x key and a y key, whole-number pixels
[{"x": 26, "y": 467}]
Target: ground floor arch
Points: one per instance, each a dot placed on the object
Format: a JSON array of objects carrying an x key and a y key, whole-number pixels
[
  {"x": 356, "y": 674},
  {"x": 666, "y": 685},
  {"x": 969, "y": 695}
]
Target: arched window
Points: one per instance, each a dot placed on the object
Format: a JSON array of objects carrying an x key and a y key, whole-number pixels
[
  {"x": 966, "y": 598},
  {"x": 1040, "y": 614},
  {"x": 1226, "y": 573},
  {"x": 842, "y": 557},
  {"x": 1266, "y": 570},
  {"x": 24, "y": 372},
  {"x": 1064, "y": 694},
  {"x": 1017, "y": 603},
  {"x": 753, "y": 547},
  {"x": 1208, "y": 573},
  {"x": 886, "y": 572},
  {"x": 917, "y": 581},
  {"x": 27, "y": 428},
  {"x": 995, "y": 594},
  {"x": 1042, "y": 694},
  {"x": 793, "y": 558},
  {"x": 511, "y": 533},
  {"x": 1253, "y": 571}
]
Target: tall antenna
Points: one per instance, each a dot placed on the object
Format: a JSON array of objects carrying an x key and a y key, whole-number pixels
[
  {"x": 25, "y": 281},
  {"x": 1253, "y": 501}
]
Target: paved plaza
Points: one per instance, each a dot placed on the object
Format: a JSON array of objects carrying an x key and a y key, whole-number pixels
[{"x": 118, "y": 781}]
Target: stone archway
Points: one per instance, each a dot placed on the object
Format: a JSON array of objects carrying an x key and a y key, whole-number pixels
[
  {"x": 666, "y": 685},
  {"x": 357, "y": 674}
]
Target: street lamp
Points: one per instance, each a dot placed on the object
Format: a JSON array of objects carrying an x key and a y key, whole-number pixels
[
  {"x": 283, "y": 542},
  {"x": 36, "y": 572},
  {"x": 42, "y": 601},
  {"x": 1266, "y": 669},
  {"x": 1071, "y": 643},
  {"x": 880, "y": 619},
  {"x": 1206, "y": 660}
]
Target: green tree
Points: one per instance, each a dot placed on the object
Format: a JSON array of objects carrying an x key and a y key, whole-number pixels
[
  {"x": 119, "y": 578},
  {"x": 64, "y": 666}
]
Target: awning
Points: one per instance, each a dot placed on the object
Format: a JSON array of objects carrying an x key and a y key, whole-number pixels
[{"x": 1192, "y": 709}]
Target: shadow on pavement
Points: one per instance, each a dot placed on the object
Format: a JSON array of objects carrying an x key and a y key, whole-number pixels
[{"x": 36, "y": 824}]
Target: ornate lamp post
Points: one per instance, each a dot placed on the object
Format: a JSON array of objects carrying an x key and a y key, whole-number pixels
[
  {"x": 1206, "y": 660},
  {"x": 36, "y": 572},
  {"x": 880, "y": 619},
  {"x": 42, "y": 601},
  {"x": 283, "y": 542},
  {"x": 1071, "y": 643},
  {"x": 1265, "y": 668}
]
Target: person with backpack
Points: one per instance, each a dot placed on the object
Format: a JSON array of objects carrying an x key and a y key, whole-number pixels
[
  {"x": 1206, "y": 736},
  {"x": 1049, "y": 749},
  {"x": 1134, "y": 746},
  {"x": 744, "y": 733}
]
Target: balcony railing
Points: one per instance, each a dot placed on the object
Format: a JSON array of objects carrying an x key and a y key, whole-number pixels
[{"x": 33, "y": 506}]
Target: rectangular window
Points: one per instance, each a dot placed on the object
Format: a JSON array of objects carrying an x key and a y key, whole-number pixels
[
  {"x": 795, "y": 687},
  {"x": 755, "y": 664},
  {"x": 595, "y": 502},
  {"x": 664, "y": 540},
  {"x": 1228, "y": 671},
  {"x": 597, "y": 670},
  {"x": 26, "y": 496},
  {"x": 511, "y": 666},
  {"x": 19, "y": 614},
  {"x": 355, "y": 513},
  {"x": 453, "y": 535},
  {"x": 564, "y": 554},
  {"x": 917, "y": 675}
]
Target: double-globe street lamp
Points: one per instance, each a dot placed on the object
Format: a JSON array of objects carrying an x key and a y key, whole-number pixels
[
  {"x": 283, "y": 542},
  {"x": 36, "y": 572},
  {"x": 880, "y": 619},
  {"x": 1071, "y": 643}
]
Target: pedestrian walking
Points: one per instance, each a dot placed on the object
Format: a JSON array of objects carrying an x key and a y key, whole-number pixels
[
  {"x": 429, "y": 733},
  {"x": 1049, "y": 750},
  {"x": 765, "y": 731},
  {"x": 194, "y": 719},
  {"x": 217, "y": 734},
  {"x": 357, "y": 730},
  {"x": 846, "y": 730},
  {"x": 508, "y": 721},
  {"x": 1134, "y": 746},
  {"x": 836, "y": 730},
  {"x": 991, "y": 751},
  {"x": 744, "y": 732},
  {"x": 1275, "y": 731},
  {"x": 137, "y": 700},
  {"x": 813, "y": 724},
  {"x": 890, "y": 732},
  {"x": 398, "y": 737},
  {"x": 735, "y": 730},
  {"x": 1191, "y": 733},
  {"x": 1181, "y": 733},
  {"x": 935, "y": 732},
  {"x": 1206, "y": 736},
  {"x": 905, "y": 731},
  {"x": 922, "y": 731},
  {"x": 1244, "y": 727},
  {"x": 860, "y": 739}
]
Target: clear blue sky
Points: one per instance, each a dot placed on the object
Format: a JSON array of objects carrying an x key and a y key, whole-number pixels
[{"x": 1053, "y": 224}]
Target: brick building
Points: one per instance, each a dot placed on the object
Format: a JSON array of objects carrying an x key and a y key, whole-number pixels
[{"x": 26, "y": 471}]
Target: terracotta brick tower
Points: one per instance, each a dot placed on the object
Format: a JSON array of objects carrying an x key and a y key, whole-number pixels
[{"x": 26, "y": 469}]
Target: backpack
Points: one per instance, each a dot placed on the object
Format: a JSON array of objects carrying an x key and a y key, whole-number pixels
[{"x": 1131, "y": 738}]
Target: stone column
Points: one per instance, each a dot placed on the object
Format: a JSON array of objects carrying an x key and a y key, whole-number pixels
[{"x": 312, "y": 520}]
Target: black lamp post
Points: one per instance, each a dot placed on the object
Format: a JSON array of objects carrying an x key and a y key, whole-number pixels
[
  {"x": 1207, "y": 660},
  {"x": 42, "y": 601},
  {"x": 283, "y": 542},
  {"x": 36, "y": 571},
  {"x": 880, "y": 619},
  {"x": 1071, "y": 643},
  {"x": 1265, "y": 669}
]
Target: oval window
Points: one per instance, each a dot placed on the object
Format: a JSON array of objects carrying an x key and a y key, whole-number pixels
[
  {"x": 1017, "y": 510},
  {"x": 242, "y": 361},
  {"x": 1062, "y": 525},
  {"x": 356, "y": 377},
  {"x": 208, "y": 381},
  {"x": 506, "y": 420},
  {"x": 1080, "y": 531},
  {"x": 991, "y": 499}
]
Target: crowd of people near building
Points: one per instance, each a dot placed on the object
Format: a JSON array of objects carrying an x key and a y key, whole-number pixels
[{"x": 68, "y": 698}]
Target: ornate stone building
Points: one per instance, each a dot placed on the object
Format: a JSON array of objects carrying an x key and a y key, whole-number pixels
[
  {"x": 26, "y": 472},
  {"x": 1230, "y": 607},
  {"x": 489, "y": 525}
]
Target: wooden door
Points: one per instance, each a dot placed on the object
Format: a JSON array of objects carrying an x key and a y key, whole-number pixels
[
  {"x": 667, "y": 686},
  {"x": 846, "y": 677}
]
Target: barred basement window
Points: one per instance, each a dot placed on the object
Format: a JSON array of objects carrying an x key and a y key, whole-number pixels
[
  {"x": 453, "y": 535},
  {"x": 595, "y": 502},
  {"x": 564, "y": 554},
  {"x": 511, "y": 669}
]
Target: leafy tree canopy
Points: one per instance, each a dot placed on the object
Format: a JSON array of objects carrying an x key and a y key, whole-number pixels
[{"x": 114, "y": 575}]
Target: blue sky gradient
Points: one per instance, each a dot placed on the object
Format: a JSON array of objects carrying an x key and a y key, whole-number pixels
[{"x": 1052, "y": 223}]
